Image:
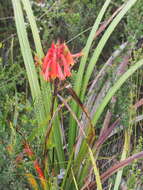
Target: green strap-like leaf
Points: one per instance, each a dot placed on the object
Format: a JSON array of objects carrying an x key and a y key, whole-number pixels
[
  {"x": 42, "y": 99},
  {"x": 34, "y": 28},
  {"x": 28, "y": 59},
  {"x": 114, "y": 89},
  {"x": 101, "y": 45},
  {"x": 79, "y": 78}
]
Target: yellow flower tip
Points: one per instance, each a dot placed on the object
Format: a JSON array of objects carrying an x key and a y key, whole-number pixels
[{"x": 37, "y": 60}]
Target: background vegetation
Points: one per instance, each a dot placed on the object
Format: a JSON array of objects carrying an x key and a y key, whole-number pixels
[{"x": 71, "y": 21}]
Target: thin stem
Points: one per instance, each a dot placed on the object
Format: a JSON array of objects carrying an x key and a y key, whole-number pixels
[{"x": 56, "y": 82}]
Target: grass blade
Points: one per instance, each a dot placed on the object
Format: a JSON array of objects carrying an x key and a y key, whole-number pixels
[
  {"x": 88, "y": 45},
  {"x": 123, "y": 157},
  {"x": 114, "y": 89},
  {"x": 45, "y": 87},
  {"x": 115, "y": 168},
  {"x": 76, "y": 186},
  {"x": 96, "y": 172},
  {"x": 102, "y": 43},
  {"x": 79, "y": 77},
  {"x": 34, "y": 28},
  {"x": 28, "y": 59},
  {"x": 41, "y": 100}
]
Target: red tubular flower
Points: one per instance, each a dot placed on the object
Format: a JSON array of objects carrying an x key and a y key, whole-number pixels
[
  {"x": 39, "y": 170},
  {"x": 57, "y": 62},
  {"x": 28, "y": 150}
]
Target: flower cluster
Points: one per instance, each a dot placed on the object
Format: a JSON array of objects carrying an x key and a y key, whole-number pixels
[
  {"x": 28, "y": 150},
  {"x": 57, "y": 62},
  {"x": 30, "y": 153},
  {"x": 39, "y": 170}
]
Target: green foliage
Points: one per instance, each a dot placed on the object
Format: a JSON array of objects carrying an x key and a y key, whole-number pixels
[
  {"x": 64, "y": 20},
  {"x": 133, "y": 174},
  {"x": 14, "y": 111},
  {"x": 134, "y": 27},
  {"x": 122, "y": 106}
]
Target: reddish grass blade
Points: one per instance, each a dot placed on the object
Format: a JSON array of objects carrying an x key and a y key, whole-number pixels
[
  {"x": 138, "y": 103},
  {"x": 107, "y": 22},
  {"x": 115, "y": 168},
  {"x": 73, "y": 114},
  {"x": 78, "y": 101},
  {"x": 106, "y": 123},
  {"x": 105, "y": 134},
  {"x": 120, "y": 165}
]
